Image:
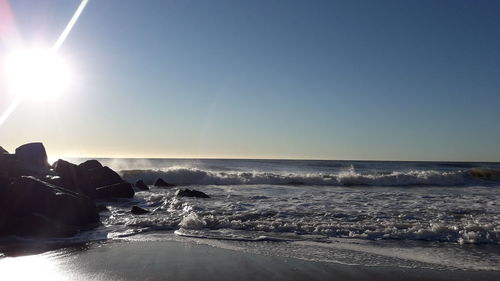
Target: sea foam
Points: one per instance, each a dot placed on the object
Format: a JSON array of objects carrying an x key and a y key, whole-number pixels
[{"x": 195, "y": 176}]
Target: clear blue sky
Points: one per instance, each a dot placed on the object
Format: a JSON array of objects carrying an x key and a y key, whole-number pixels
[{"x": 391, "y": 80}]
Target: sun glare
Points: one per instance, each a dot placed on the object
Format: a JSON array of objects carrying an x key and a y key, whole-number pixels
[
  {"x": 40, "y": 267},
  {"x": 37, "y": 73}
]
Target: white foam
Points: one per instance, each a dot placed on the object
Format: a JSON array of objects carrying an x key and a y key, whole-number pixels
[
  {"x": 192, "y": 221},
  {"x": 194, "y": 176},
  {"x": 462, "y": 215}
]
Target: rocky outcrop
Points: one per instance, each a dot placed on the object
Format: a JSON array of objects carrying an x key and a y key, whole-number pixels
[
  {"x": 31, "y": 206},
  {"x": 138, "y": 210},
  {"x": 33, "y": 156},
  {"x": 161, "y": 183},
  {"x": 104, "y": 176},
  {"x": 90, "y": 164},
  {"x": 3, "y": 151},
  {"x": 73, "y": 177},
  {"x": 117, "y": 190},
  {"x": 88, "y": 177},
  {"x": 190, "y": 193},
  {"x": 29, "y": 160},
  {"x": 39, "y": 200},
  {"x": 141, "y": 185}
]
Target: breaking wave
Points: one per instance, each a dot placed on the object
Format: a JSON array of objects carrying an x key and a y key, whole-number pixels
[{"x": 194, "y": 176}]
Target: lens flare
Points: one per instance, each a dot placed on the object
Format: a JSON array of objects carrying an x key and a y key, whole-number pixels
[
  {"x": 37, "y": 73},
  {"x": 9, "y": 110},
  {"x": 70, "y": 25}
]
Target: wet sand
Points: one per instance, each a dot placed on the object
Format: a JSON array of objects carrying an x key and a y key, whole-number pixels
[{"x": 168, "y": 260}]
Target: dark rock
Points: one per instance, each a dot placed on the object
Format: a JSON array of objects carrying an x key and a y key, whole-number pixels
[
  {"x": 102, "y": 208},
  {"x": 58, "y": 181},
  {"x": 40, "y": 226},
  {"x": 38, "y": 201},
  {"x": 120, "y": 190},
  {"x": 73, "y": 177},
  {"x": 31, "y": 206},
  {"x": 87, "y": 181},
  {"x": 141, "y": 185},
  {"x": 90, "y": 164},
  {"x": 68, "y": 171},
  {"x": 4, "y": 181},
  {"x": 190, "y": 193},
  {"x": 29, "y": 160},
  {"x": 79, "y": 178},
  {"x": 104, "y": 176},
  {"x": 33, "y": 155},
  {"x": 161, "y": 183},
  {"x": 22, "y": 164},
  {"x": 5, "y": 166},
  {"x": 138, "y": 211}
]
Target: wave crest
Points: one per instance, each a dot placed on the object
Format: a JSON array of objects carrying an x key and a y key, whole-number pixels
[{"x": 193, "y": 176}]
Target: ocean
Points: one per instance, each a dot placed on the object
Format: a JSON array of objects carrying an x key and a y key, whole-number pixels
[{"x": 438, "y": 215}]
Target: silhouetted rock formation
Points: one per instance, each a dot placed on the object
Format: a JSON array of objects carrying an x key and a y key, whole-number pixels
[
  {"x": 190, "y": 193},
  {"x": 161, "y": 183},
  {"x": 117, "y": 190},
  {"x": 88, "y": 177},
  {"x": 33, "y": 155},
  {"x": 104, "y": 176},
  {"x": 31, "y": 206},
  {"x": 40, "y": 200},
  {"x": 90, "y": 164},
  {"x": 73, "y": 177},
  {"x": 16, "y": 165},
  {"x": 138, "y": 210},
  {"x": 141, "y": 185}
]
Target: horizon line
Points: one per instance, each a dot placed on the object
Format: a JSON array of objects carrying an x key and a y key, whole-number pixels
[{"x": 272, "y": 159}]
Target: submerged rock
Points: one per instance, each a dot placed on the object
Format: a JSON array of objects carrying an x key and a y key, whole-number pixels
[
  {"x": 141, "y": 185},
  {"x": 161, "y": 183},
  {"x": 31, "y": 206},
  {"x": 191, "y": 193},
  {"x": 117, "y": 190},
  {"x": 138, "y": 210}
]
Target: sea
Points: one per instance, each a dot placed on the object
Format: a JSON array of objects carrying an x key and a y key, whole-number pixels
[{"x": 438, "y": 215}]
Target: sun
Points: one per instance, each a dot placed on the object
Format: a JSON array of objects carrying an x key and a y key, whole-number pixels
[{"x": 37, "y": 73}]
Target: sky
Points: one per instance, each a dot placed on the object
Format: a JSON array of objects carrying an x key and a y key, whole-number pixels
[{"x": 361, "y": 80}]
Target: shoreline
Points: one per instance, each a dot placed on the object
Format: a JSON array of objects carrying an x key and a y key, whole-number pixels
[{"x": 183, "y": 260}]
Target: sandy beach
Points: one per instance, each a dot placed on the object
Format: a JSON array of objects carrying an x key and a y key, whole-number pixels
[{"x": 168, "y": 260}]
